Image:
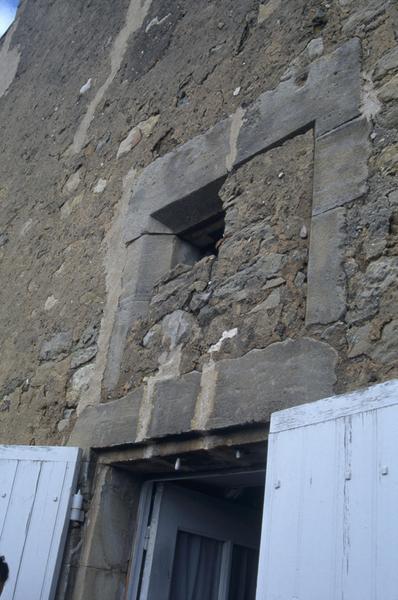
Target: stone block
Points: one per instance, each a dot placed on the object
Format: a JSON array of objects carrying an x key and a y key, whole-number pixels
[
  {"x": 330, "y": 96},
  {"x": 192, "y": 173},
  {"x": 326, "y": 289},
  {"x": 250, "y": 388},
  {"x": 174, "y": 403},
  {"x": 109, "y": 424},
  {"x": 148, "y": 259},
  {"x": 341, "y": 166},
  {"x": 98, "y": 584}
]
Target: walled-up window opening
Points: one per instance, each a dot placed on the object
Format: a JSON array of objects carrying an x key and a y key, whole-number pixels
[
  {"x": 8, "y": 10},
  {"x": 198, "y": 219},
  {"x": 206, "y": 236}
]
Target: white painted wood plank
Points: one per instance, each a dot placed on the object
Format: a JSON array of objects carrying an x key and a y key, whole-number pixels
[
  {"x": 280, "y": 538},
  {"x": 45, "y": 513},
  {"x": 373, "y": 398},
  {"x": 35, "y": 527},
  {"x": 8, "y": 469},
  {"x": 13, "y": 536},
  {"x": 359, "y": 550},
  {"x": 387, "y": 505},
  {"x": 322, "y": 480},
  {"x": 40, "y": 453},
  {"x": 60, "y": 532}
]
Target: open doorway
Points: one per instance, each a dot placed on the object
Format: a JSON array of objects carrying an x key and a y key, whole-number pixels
[{"x": 199, "y": 538}]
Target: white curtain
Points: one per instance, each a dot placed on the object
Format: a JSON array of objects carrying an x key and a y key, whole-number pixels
[{"x": 196, "y": 569}]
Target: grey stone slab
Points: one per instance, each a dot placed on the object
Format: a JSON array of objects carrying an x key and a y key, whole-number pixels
[
  {"x": 148, "y": 259},
  {"x": 193, "y": 173},
  {"x": 330, "y": 96},
  {"x": 326, "y": 289},
  {"x": 284, "y": 374},
  {"x": 174, "y": 403},
  {"x": 341, "y": 166},
  {"x": 128, "y": 311},
  {"x": 108, "y": 424}
]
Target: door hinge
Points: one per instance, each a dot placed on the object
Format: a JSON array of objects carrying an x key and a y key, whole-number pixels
[
  {"x": 146, "y": 537},
  {"x": 77, "y": 512}
]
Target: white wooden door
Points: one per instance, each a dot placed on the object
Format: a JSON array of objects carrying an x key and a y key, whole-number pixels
[
  {"x": 36, "y": 487},
  {"x": 330, "y": 526}
]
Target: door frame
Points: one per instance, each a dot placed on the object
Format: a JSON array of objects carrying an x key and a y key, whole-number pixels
[{"x": 145, "y": 508}]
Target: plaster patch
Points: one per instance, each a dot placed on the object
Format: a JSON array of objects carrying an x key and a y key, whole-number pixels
[
  {"x": 225, "y": 336},
  {"x": 205, "y": 403},
  {"x": 236, "y": 124},
  {"x": 85, "y": 87},
  {"x": 370, "y": 104},
  {"x": 156, "y": 21},
  {"x": 136, "y": 14}
]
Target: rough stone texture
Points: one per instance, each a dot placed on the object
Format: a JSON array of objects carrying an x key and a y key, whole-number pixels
[
  {"x": 147, "y": 259},
  {"x": 341, "y": 166},
  {"x": 261, "y": 247},
  {"x": 251, "y": 390},
  {"x": 326, "y": 276},
  {"x": 170, "y": 69},
  {"x": 330, "y": 96},
  {"x": 192, "y": 172},
  {"x": 109, "y": 529},
  {"x": 108, "y": 424},
  {"x": 174, "y": 403}
]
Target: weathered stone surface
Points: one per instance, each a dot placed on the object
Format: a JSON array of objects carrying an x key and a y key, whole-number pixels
[
  {"x": 326, "y": 278},
  {"x": 148, "y": 259},
  {"x": 56, "y": 347},
  {"x": 330, "y": 96},
  {"x": 79, "y": 385},
  {"x": 388, "y": 62},
  {"x": 341, "y": 166},
  {"x": 386, "y": 349},
  {"x": 284, "y": 374},
  {"x": 109, "y": 424},
  {"x": 174, "y": 405},
  {"x": 193, "y": 173},
  {"x": 83, "y": 356}
]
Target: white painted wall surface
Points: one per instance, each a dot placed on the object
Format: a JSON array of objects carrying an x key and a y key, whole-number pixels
[
  {"x": 330, "y": 528},
  {"x": 36, "y": 487}
]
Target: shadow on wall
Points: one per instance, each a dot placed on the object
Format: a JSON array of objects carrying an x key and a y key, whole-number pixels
[{"x": 8, "y": 10}]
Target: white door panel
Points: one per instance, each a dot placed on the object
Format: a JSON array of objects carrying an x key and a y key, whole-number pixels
[
  {"x": 330, "y": 526},
  {"x": 36, "y": 487}
]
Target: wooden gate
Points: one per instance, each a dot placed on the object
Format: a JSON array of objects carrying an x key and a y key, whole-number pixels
[{"x": 36, "y": 488}]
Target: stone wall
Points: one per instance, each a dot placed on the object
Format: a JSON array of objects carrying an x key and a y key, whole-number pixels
[{"x": 89, "y": 97}]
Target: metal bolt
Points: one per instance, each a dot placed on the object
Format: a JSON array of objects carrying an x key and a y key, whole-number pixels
[
  {"x": 55, "y": 499},
  {"x": 277, "y": 484},
  {"x": 384, "y": 470},
  {"x": 4, "y": 495},
  {"x": 348, "y": 474}
]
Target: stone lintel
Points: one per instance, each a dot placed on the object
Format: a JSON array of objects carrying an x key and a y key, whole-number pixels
[
  {"x": 326, "y": 290},
  {"x": 181, "y": 174},
  {"x": 174, "y": 402},
  {"x": 284, "y": 374},
  {"x": 108, "y": 424},
  {"x": 248, "y": 389},
  {"x": 341, "y": 166},
  {"x": 330, "y": 96}
]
